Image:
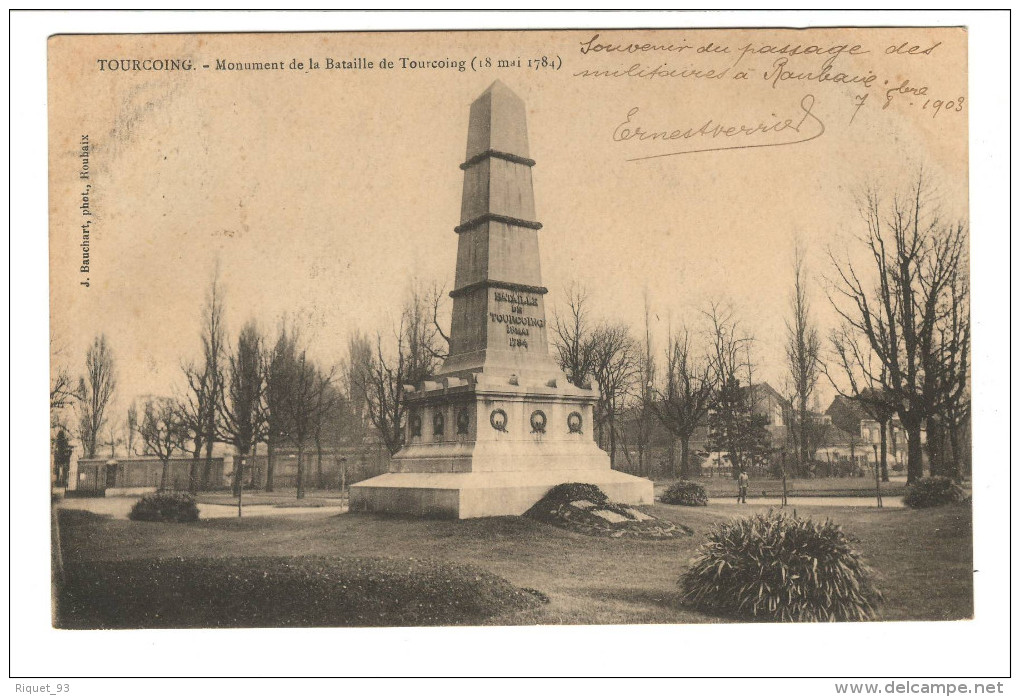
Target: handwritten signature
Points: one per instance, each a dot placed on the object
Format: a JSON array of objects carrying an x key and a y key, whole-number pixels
[{"x": 803, "y": 129}]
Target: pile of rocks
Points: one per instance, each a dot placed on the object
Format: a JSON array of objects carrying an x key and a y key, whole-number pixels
[{"x": 584, "y": 508}]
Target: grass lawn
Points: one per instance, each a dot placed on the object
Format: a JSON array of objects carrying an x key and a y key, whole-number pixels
[{"x": 922, "y": 558}]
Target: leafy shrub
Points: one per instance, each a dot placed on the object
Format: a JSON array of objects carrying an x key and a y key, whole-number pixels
[
  {"x": 172, "y": 506},
  {"x": 562, "y": 494},
  {"x": 933, "y": 491},
  {"x": 774, "y": 567},
  {"x": 685, "y": 493}
]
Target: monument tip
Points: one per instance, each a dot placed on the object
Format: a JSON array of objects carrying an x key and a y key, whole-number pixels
[
  {"x": 498, "y": 121},
  {"x": 498, "y": 85}
]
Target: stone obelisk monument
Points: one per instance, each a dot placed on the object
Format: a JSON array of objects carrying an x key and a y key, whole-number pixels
[{"x": 499, "y": 425}]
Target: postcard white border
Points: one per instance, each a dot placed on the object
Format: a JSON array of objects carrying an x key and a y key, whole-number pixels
[{"x": 980, "y": 647}]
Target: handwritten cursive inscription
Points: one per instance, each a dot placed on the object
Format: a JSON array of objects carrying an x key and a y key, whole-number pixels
[{"x": 799, "y": 129}]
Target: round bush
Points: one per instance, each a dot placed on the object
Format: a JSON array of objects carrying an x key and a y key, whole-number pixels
[
  {"x": 685, "y": 493},
  {"x": 933, "y": 491},
  {"x": 779, "y": 568},
  {"x": 562, "y": 494},
  {"x": 171, "y": 506}
]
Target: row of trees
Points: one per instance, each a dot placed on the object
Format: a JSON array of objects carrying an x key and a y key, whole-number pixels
[
  {"x": 243, "y": 395},
  {"x": 901, "y": 351},
  {"x": 903, "y": 347},
  {"x": 259, "y": 391},
  {"x": 704, "y": 377}
]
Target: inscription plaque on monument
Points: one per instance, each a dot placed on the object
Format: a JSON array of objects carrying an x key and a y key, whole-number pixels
[{"x": 519, "y": 422}]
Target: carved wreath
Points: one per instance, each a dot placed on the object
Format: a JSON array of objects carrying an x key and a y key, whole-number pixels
[{"x": 498, "y": 419}]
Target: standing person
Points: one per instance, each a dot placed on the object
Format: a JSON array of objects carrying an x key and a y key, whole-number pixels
[{"x": 742, "y": 481}]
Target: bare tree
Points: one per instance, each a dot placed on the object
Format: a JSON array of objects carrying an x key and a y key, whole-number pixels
[
  {"x": 378, "y": 376},
  {"x": 328, "y": 417},
  {"x": 425, "y": 343},
  {"x": 382, "y": 384},
  {"x": 306, "y": 405},
  {"x": 803, "y": 347},
  {"x": 62, "y": 389},
  {"x": 132, "y": 428},
  {"x": 918, "y": 263},
  {"x": 192, "y": 408},
  {"x": 164, "y": 433},
  {"x": 95, "y": 389},
  {"x": 686, "y": 396},
  {"x": 949, "y": 361},
  {"x": 214, "y": 356},
  {"x": 869, "y": 393},
  {"x": 279, "y": 368},
  {"x": 439, "y": 341},
  {"x": 647, "y": 379},
  {"x": 113, "y": 437},
  {"x": 360, "y": 355},
  {"x": 733, "y": 426},
  {"x": 205, "y": 384},
  {"x": 615, "y": 367},
  {"x": 242, "y": 420},
  {"x": 573, "y": 338},
  {"x": 354, "y": 420}
]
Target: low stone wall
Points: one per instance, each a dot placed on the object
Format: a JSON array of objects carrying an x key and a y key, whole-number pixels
[
  {"x": 143, "y": 474},
  {"x": 130, "y": 491}
]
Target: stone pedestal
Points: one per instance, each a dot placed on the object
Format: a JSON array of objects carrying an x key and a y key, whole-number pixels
[{"x": 500, "y": 425}]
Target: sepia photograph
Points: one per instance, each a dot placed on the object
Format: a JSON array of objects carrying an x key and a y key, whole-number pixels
[{"x": 513, "y": 328}]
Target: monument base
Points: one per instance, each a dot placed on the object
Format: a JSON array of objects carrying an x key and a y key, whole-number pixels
[{"x": 480, "y": 494}]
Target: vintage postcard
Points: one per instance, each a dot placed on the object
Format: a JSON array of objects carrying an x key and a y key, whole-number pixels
[{"x": 613, "y": 327}]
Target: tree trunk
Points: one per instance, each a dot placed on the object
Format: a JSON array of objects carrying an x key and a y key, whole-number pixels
[
  {"x": 300, "y": 470},
  {"x": 207, "y": 468},
  {"x": 165, "y": 476},
  {"x": 885, "y": 465},
  {"x": 612, "y": 443},
  {"x": 735, "y": 456},
  {"x": 641, "y": 438},
  {"x": 915, "y": 459},
  {"x": 252, "y": 462},
  {"x": 936, "y": 449},
  {"x": 238, "y": 468},
  {"x": 242, "y": 455},
  {"x": 318, "y": 462},
  {"x": 685, "y": 457},
  {"x": 955, "y": 471},
  {"x": 672, "y": 456},
  {"x": 270, "y": 462},
  {"x": 193, "y": 472},
  {"x": 801, "y": 445}
]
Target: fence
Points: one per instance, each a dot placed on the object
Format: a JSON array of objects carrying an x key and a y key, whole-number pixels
[
  {"x": 351, "y": 464},
  {"x": 99, "y": 476}
]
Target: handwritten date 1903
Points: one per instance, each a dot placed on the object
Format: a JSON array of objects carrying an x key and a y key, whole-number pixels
[{"x": 905, "y": 91}]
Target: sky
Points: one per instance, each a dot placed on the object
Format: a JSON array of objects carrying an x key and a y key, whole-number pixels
[{"x": 322, "y": 195}]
